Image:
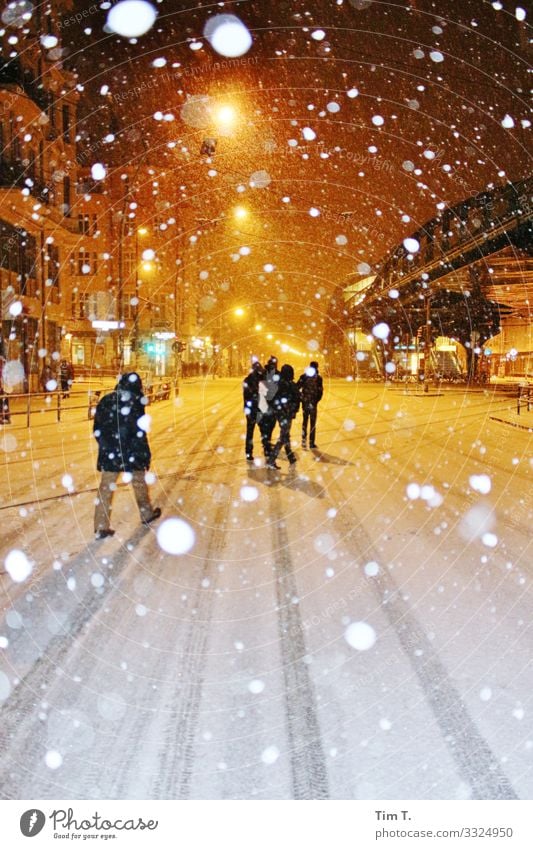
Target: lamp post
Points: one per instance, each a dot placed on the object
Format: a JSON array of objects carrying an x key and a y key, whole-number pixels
[
  {"x": 177, "y": 345},
  {"x": 427, "y": 304},
  {"x": 140, "y": 231},
  {"x": 121, "y": 237}
]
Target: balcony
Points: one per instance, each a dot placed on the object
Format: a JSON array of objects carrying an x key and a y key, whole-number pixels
[
  {"x": 89, "y": 187},
  {"x": 13, "y": 74},
  {"x": 13, "y": 175}
]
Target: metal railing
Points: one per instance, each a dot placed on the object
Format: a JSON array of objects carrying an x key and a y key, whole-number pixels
[
  {"x": 57, "y": 403},
  {"x": 524, "y": 397}
]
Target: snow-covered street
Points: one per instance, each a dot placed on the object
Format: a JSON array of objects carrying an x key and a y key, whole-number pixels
[{"x": 358, "y": 627}]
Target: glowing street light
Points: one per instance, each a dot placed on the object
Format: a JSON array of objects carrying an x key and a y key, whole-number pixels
[
  {"x": 241, "y": 212},
  {"x": 238, "y": 312},
  {"x": 225, "y": 115}
]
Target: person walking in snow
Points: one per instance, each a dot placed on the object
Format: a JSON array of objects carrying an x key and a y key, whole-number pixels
[
  {"x": 250, "y": 395},
  {"x": 66, "y": 376},
  {"x": 120, "y": 430},
  {"x": 266, "y": 415},
  {"x": 286, "y": 404},
  {"x": 311, "y": 389},
  {"x": 48, "y": 379},
  {"x": 5, "y": 416}
]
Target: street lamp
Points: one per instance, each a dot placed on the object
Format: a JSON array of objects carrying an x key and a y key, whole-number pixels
[
  {"x": 140, "y": 231},
  {"x": 225, "y": 116},
  {"x": 427, "y": 305}
]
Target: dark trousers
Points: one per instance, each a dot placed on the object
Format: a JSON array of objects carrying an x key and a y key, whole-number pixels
[
  {"x": 5, "y": 417},
  {"x": 284, "y": 440},
  {"x": 309, "y": 415},
  {"x": 249, "y": 444},
  {"x": 266, "y": 426}
]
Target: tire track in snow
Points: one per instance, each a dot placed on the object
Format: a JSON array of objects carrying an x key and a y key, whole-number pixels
[
  {"x": 17, "y": 713},
  {"x": 472, "y": 755},
  {"x": 176, "y": 762},
  {"x": 308, "y": 765}
]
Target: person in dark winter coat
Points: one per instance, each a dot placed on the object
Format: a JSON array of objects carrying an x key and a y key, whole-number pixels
[
  {"x": 5, "y": 416},
  {"x": 286, "y": 404},
  {"x": 266, "y": 415},
  {"x": 48, "y": 378},
  {"x": 311, "y": 389},
  {"x": 250, "y": 396},
  {"x": 120, "y": 431},
  {"x": 66, "y": 376}
]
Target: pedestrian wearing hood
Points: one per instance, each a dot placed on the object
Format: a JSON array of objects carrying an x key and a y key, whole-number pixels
[
  {"x": 286, "y": 404},
  {"x": 250, "y": 395},
  {"x": 266, "y": 415},
  {"x": 5, "y": 417},
  {"x": 311, "y": 389},
  {"x": 120, "y": 430}
]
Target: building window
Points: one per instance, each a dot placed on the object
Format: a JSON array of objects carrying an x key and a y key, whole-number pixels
[
  {"x": 14, "y": 138},
  {"x": 83, "y": 305},
  {"x": 128, "y": 264},
  {"x": 52, "y": 264},
  {"x": 66, "y": 196},
  {"x": 18, "y": 252},
  {"x": 41, "y": 161},
  {"x": 94, "y": 305},
  {"x": 65, "y": 112},
  {"x": 78, "y": 355},
  {"x": 31, "y": 165},
  {"x": 87, "y": 263},
  {"x": 126, "y": 308},
  {"x": 52, "y": 112},
  {"x": 87, "y": 224},
  {"x": 159, "y": 305}
]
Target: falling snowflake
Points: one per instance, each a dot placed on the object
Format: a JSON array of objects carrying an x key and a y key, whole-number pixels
[
  {"x": 175, "y": 536},
  {"x": 360, "y": 636}
]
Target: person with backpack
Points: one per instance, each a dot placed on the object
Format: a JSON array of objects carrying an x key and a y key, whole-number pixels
[
  {"x": 311, "y": 389},
  {"x": 250, "y": 395},
  {"x": 266, "y": 415},
  {"x": 286, "y": 404},
  {"x": 120, "y": 429}
]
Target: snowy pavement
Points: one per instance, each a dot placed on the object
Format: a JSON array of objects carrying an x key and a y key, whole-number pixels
[{"x": 359, "y": 628}]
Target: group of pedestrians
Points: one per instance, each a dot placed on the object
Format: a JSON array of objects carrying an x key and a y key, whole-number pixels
[
  {"x": 120, "y": 427},
  {"x": 273, "y": 397}
]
